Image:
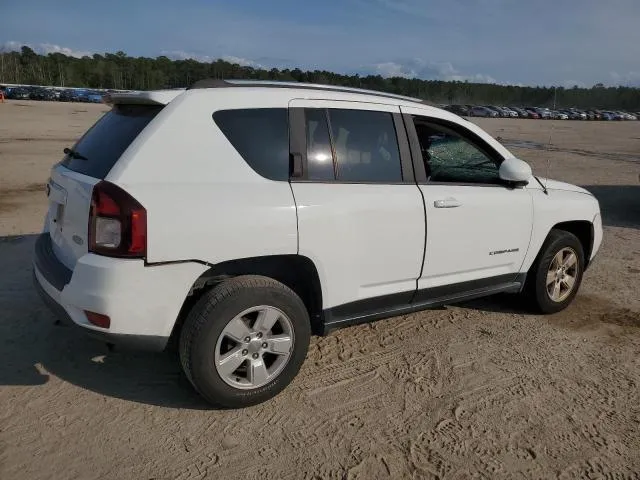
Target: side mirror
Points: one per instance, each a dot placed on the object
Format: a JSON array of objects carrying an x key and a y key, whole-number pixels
[{"x": 515, "y": 171}]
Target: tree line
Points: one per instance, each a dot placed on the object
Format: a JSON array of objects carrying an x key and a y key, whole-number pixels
[{"x": 120, "y": 71}]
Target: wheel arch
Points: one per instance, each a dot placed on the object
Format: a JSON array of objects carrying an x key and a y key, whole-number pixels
[
  {"x": 584, "y": 230},
  {"x": 297, "y": 272}
]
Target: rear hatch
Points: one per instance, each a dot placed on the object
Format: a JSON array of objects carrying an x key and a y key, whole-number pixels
[{"x": 89, "y": 161}]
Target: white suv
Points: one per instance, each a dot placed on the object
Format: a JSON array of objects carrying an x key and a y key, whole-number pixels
[{"x": 240, "y": 217}]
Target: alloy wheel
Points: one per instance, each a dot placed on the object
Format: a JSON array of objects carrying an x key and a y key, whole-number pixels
[
  {"x": 562, "y": 274},
  {"x": 254, "y": 347}
]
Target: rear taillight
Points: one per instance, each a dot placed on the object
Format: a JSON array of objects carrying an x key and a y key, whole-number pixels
[{"x": 117, "y": 223}]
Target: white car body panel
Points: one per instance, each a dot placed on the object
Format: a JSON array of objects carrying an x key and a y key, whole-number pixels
[
  {"x": 139, "y": 300},
  {"x": 217, "y": 209},
  {"x": 361, "y": 248},
  {"x": 461, "y": 241},
  {"x": 565, "y": 204},
  {"x": 66, "y": 220}
]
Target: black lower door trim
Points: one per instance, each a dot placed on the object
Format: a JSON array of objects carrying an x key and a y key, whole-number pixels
[
  {"x": 462, "y": 288},
  {"x": 377, "y": 308},
  {"x": 367, "y": 307}
]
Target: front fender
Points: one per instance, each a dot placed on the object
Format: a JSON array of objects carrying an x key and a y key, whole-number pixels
[{"x": 557, "y": 207}]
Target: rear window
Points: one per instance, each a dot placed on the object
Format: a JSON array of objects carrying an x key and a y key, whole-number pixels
[
  {"x": 106, "y": 141},
  {"x": 261, "y": 137}
]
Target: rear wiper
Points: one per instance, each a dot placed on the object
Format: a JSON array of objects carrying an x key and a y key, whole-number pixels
[{"x": 74, "y": 154}]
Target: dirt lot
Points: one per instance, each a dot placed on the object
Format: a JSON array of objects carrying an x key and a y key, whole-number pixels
[{"x": 483, "y": 390}]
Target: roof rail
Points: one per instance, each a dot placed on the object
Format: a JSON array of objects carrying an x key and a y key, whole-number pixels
[{"x": 217, "y": 83}]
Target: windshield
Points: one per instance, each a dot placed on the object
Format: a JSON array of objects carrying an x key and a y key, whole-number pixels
[{"x": 106, "y": 141}]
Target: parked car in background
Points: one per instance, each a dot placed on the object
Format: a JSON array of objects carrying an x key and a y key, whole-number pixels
[
  {"x": 556, "y": 115},
  {"x": 522, "y": 113},
  {"x": 501, "y": 111},
  {"x": 616, "y": 116},
  {"x": 49, "y": 95},
  {"x": 511, "y": 112},
  {"x": 580, "y": 115},
  {"x": 17, "y": 93},
  {"x": 532, "y": 112},
  {"x": 504, "y": 111},
  {"x": 544, "y": 113},
  {"x": 479, "y": 111},
  {"x": 36, "y": 94},
  {"x": 68, "y": 96},
  {"x": 495, "y": 109},
  {"x": 461, "y": 110},
  {"x": 572, "y": 114}
]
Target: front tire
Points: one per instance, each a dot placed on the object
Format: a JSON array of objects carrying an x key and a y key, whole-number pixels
[
  {"x": 244, "y": 341},
  {"x": 556, "y": 275}
]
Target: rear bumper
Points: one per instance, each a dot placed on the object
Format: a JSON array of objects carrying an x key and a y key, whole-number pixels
[
  {"x": 143, "y": 302},
  {"x": 134, "y": 342}
]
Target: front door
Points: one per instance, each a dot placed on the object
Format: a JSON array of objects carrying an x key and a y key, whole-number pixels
[{"x": 478, "y": 228}]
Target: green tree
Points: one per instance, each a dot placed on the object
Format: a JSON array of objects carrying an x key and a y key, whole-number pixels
[{"x": 120, "y": 71}]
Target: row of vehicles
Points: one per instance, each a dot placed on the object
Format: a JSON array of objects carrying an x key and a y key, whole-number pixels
[
  {"x": 53, "y": 94},
  {"x": 493, "y": 111},
  {"x": 490, "y": 111}
]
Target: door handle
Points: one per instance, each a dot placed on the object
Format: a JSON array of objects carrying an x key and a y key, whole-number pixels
[{"x": 447, "y": 203}]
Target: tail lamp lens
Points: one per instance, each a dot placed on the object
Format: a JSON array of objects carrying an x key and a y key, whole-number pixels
[{"x": 117, "y": 223}]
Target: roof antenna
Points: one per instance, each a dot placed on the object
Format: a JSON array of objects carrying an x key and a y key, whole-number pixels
[{"x": 553, "y": 123}]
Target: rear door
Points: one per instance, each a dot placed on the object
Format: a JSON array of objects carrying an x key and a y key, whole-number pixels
[
  {"x": 72, "y": 180},
  {"x": 360, "y": 213}
]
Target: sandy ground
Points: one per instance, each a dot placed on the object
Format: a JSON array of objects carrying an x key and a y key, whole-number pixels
[{"x": 482, "y": 390}]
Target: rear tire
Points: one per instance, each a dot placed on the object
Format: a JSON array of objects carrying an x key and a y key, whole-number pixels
[
  {"x": 555, "y": 277},
  {"x": 227, "y": 352}
]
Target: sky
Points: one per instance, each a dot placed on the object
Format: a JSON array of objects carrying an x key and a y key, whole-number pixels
[{"x": 522, "y": 42}]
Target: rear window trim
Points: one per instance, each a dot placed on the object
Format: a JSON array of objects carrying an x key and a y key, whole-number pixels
[{"x": 98, "y": 171}]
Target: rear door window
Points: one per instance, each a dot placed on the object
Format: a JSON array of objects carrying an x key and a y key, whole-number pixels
[
  {"x": 261, "y": 137},
  {"x": 352, "y": 146},
  {"x": 366, "y": 146},
  {"x": 106, "y": 141}
]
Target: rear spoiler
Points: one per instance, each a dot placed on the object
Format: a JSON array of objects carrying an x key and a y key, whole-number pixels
[{"x": 153, "y": 97}]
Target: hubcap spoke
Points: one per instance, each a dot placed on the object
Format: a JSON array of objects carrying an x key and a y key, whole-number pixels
[
  {"x": 258, "y": 373},
  {"x": 551, "y": 277},
  {"x": 266, "y": 319},
  {"x": 229, "y": 362},
  {"x": 570, "y": 261},
  {"x": 280, "y": 344},
  {"x": 237, "y": 330},
  {"x": 569, "y": 281},
  {"x": 556, "y": 291}
]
